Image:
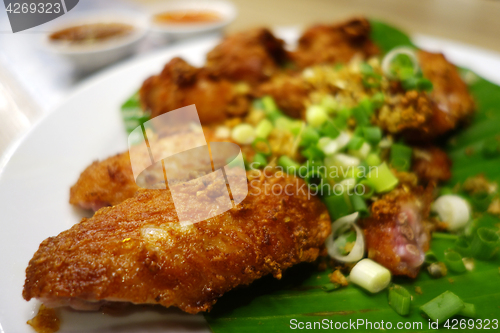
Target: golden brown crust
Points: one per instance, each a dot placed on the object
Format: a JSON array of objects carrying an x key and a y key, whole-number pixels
[
  {"x": 104, "y": 183},
  {"x": 180, "y": 84},
  {"x": 335, "y": 43},
  {"x": 137, "y": 252},
  {"x": 431, "y": 164},
  {"x": 251, "y": 56}
]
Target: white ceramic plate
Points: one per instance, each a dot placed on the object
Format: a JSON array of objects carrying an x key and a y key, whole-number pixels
[{"x": 35, "y": 182}]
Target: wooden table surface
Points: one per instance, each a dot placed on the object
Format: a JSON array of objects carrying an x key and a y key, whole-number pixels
[{"x": 473, "y": 22}]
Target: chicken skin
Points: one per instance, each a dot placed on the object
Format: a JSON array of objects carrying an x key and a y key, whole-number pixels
[
  {"x": 252, "y": 56},
  {"x": 339, "y": 43},
  {"x": 180, "y": 84},
  {"x": 138, "y": 252}
]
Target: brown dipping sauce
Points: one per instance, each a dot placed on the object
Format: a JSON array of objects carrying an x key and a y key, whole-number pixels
[
  {"x": 89, "y": 33},
  {"x": 189, "y": 16}
]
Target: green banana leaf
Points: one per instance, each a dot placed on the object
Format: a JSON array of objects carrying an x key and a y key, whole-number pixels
[{"x": 269, "y": 305}]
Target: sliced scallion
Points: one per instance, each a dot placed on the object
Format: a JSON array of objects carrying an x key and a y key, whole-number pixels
[
  {"x": 453, "y": 261},
  {"x": 288, "y": 164},
  {"x": 372, "y": 134},
  {"x": 338, "y": 205},
  {"x": 370, "y": 275},
  {"x": 399, "y": 299},
  {"x": 359, "y": 205},
  {"x": 309, "y": 136},
  {"x": 316, "y": 116},
  {"x": 400, "y": 158},
  {"x": 382, "y": 178},
  {"x": 271, "y": 109},
  {"x": 469, "y": 310},
  {"x": 259, "y": 161},
  {"x": 263, "y": 129},
  {"x": 355, "y": 143},
  {"x": 368, "y": 189},
  {"x": 485, "y": 244},
  {"x": 373, "y": 159},
  {"x": 443, "y": 307}
]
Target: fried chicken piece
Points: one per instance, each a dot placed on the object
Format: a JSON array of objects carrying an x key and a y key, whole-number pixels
[
  {"x": 138, "y": 252},
  {"x": 111, "y": 181},
  {"x": 421, "y": 117},
  {"x": 289, "y": 91},
  {"x": 337, "y": 43},
  {"x": 251, "y": 56},
  {"x": 431, "y": 164},
  {"x": 180, "y": 84},
  {"x": 397, "y": 235},
  {"x": 454, "y": 104}
]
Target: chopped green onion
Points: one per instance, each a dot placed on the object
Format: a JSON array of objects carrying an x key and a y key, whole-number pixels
[
  {"x": 355, "y": 143},
  {"x": 453, "y": 261},
  {"x": 328, "y": 146},
  {"x": 313, "y": 153},
  {"x": 382, "y": 178},
  {"x": 243, "y": 134},
  {"x": 316, "y": 116},
  {"x": 368, "y": 189},
  {"x": 399, "y": 299},
  {"x": 370, "y": 275},
  {"x": 269, "y": 104},
  {"x": 463, "y": 246},
  {"x": 309, "y": 137},
  {"x": 453, "y": 210},
  {"x": 328, "y": 129},
  {"x": 443, "y": 307},
  {"x": 400, "y": 158},
  {"x": 359, "y": 205},
  {"x": 314, "y": 178},
  {"x": 362, "y": 118},
  {"x": 329, "y": 103},
  {"x": 330, "y": 287},
  {"x": 372, "y": 134},
  {"x": 263, "y": 129},
  {"x": 262, "y": 146},
  {"x": 469, "y": 310},
  {"x": 485, "y": 243},
  {"x": 338, "y": 205},
  {"x": 340, "y": 121},
  {"x": 481, "y": 201},
  {"x": 259, "y": 161},
  {"x": 362, "y": 152},
  {"x": 378, "y": 100},
  {"x": 271, "y": 109},
  {"x": 373, "y": 159},
  {"x": 430, "y": 258},
  {"x": 289, "y": 165},
  {"x": 416, "y": 83}
]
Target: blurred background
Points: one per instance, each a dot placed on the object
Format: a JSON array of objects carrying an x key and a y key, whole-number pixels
[{"x": 33, "y": 80}]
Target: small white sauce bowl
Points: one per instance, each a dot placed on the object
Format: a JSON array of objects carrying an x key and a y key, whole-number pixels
[
  {"x": 90, "y": 57},
  {"x": 176, "y": 31}
]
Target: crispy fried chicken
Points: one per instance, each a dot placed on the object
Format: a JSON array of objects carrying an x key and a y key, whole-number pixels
[
  {"x": 339, "y": 43},
  {"x": 251, "y": 56},
  {"x": 180, "y": 84},
  {"x": 138, "y": 252}
]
